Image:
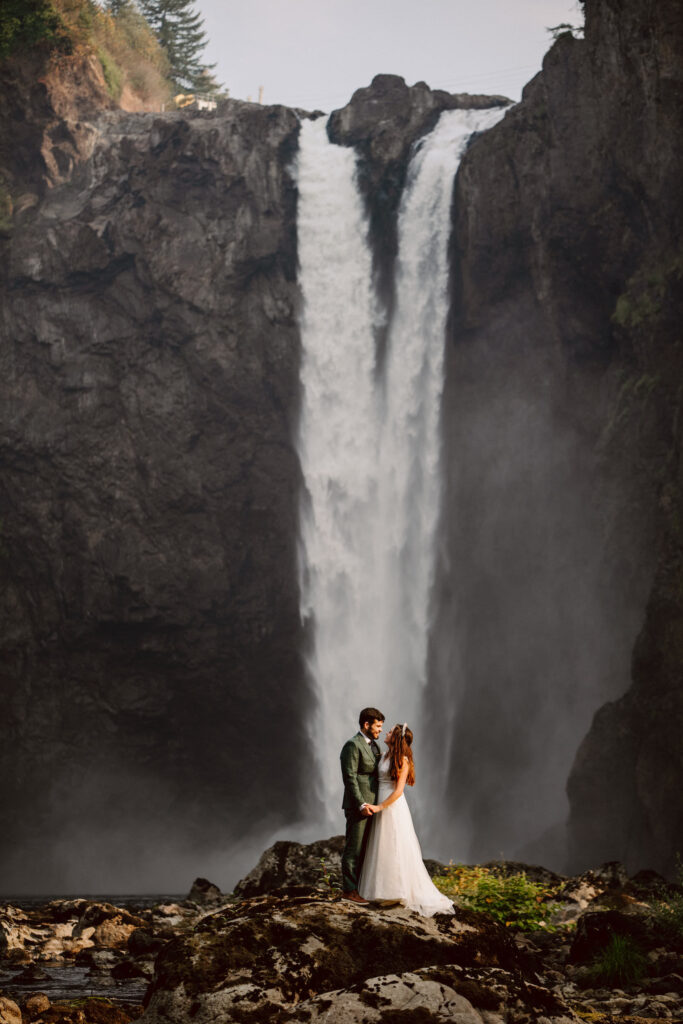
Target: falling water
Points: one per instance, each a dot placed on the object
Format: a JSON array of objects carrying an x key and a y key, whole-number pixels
[{"x": 369, "y": 442}]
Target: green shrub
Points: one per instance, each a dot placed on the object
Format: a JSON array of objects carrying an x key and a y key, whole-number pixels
[
  {"x": 669, "y": 912},
  {"x": 621, "y": 962},
  {"x": 669, "y": 916},
  {"x": 327, "y": 880},
  {"x": 112, "y": 73},
  {"x": 513, "y": 900}
]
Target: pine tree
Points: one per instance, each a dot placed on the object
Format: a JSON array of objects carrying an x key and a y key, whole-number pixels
[
  {"x": 180, "y": 32},
  {"x": 117, "y": 7}
]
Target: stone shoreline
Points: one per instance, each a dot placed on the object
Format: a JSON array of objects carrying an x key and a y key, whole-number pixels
[{"x": 286, "y": 947}]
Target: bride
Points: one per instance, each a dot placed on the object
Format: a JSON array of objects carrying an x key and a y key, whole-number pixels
[{"x": 393, "y": 869}]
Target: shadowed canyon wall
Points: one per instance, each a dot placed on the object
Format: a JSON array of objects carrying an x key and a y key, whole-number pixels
[
  {"x": 149, "y": 487},
  {"x": 150, "y": 643},
  {"x": 562, "y": 435}
]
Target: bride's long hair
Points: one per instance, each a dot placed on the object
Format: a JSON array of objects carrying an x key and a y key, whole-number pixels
[{"x": 400, "y": 747}]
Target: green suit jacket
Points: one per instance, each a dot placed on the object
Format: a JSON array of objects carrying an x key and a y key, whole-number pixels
[{"x": 359, "y": 772}]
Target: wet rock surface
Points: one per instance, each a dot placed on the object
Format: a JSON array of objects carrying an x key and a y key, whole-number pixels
[
  {"x": 297, "y": 952},
  {"x": 383, "y": 122},
  {"x": 89, "y": 957},
  {"x": 309, "y": 956}
]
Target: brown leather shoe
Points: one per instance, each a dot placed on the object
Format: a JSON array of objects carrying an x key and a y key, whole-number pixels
[{"x": 355, "y": 897}]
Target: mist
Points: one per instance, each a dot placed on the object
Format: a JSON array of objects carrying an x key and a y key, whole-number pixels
[{"x": 538, "y": 599}]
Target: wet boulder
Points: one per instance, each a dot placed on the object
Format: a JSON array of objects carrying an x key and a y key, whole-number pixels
[
  {"x": 142, "y": 942},
  {"x": 204, "y": 892}
]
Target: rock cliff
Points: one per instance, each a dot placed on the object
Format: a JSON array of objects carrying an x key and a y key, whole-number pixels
[
  {"x": 149, "y": 492},
  {"x": 562, "y": 444}
]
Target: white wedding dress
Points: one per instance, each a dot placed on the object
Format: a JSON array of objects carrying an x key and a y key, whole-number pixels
[{"x": 393, "y": 869}]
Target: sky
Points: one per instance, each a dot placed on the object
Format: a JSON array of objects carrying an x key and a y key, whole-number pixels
[{"x": 315, "y": 53}]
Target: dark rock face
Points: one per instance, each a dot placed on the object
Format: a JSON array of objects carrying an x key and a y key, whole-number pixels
[
  {"x": 562, "y": 446},
  {"x": 149, "y": 492}
]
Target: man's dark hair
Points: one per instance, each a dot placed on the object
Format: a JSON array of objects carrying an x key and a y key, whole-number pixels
[{"x": 370, "y": 715}]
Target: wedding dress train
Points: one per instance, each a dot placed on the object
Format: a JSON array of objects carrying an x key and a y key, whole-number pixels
[{"x": 393, "y": 869}]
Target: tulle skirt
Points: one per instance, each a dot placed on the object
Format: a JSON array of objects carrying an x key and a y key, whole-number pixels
[{"x": 393, "y": 869}]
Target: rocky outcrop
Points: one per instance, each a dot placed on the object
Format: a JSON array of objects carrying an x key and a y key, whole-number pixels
[
  {"x": 149, "y": 494},
  {"x": 46, "y": 109},
  {"x": 297, "y": 952},
  {"x": 306, "y": 956},
  {"x": 562, "y": 439},
  {"x": 383, "y": 122},
  {"x": 286, "y": 864}
]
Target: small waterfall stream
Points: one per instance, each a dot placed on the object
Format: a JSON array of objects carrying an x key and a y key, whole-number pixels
[{"x": 369, "y": 443}]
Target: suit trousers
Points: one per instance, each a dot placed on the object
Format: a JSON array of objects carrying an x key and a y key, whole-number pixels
[{"x": 354, "y": 849}]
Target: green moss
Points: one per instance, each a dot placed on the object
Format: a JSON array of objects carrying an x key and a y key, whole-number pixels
[
  {"x": 633, "y": 311},
  {"x": 645, "y": 294},
  {"x": 113, "y": 75}
]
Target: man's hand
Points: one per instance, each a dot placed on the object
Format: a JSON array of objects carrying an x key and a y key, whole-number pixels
[{"x": 366, "y": 811}]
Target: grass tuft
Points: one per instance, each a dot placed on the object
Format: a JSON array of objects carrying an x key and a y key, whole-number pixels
[{"x": 621, "y": 962}]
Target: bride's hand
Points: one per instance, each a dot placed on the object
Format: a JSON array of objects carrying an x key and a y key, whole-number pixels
[{"x": 375, "y": 808}]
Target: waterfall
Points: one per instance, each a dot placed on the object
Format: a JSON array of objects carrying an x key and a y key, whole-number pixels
[{"x": 368, "y": 441}]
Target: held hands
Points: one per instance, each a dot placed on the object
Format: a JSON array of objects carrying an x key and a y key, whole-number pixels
[
  {"x": 367, "y": 810},
  {"x": 374, "y": 808}
]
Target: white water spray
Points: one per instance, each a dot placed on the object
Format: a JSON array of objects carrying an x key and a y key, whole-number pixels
[{"x": 369, "y": 446}]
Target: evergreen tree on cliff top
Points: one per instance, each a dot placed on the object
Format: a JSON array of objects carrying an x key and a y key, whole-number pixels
[{"x": 180, "y": 32}]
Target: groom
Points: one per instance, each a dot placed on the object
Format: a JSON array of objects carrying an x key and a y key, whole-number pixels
[{"x": 359, "y": 761}]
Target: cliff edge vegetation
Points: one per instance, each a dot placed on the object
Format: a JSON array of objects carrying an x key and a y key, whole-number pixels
[{"x": 133, "y": 66}]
